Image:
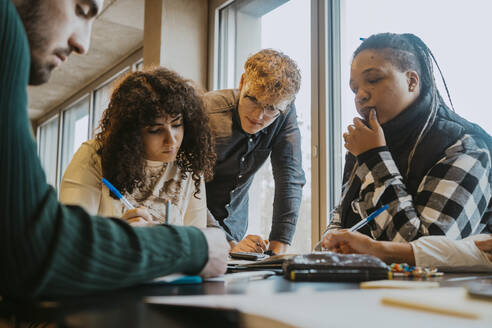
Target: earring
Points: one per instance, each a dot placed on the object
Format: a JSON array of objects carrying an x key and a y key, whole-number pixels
[{"x": 411, "y": 87}]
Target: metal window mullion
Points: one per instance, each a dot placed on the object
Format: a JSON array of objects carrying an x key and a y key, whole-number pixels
[
  {"x": 221, "y": 61},
  {"x": 59, "y": 149},
  {"x": 326, "y": 113},
  {"x": 90, "y": 126},
  {"x": 333, "y": 94},
  {"x": 38, "y": 140},
  {"x": 318, "y": 162}
]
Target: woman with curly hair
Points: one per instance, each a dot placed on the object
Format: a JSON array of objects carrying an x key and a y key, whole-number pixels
[{"x": 154, "y": 146}]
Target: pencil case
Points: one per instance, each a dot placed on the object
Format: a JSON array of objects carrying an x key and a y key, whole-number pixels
[{"x": 329, "y": 266}]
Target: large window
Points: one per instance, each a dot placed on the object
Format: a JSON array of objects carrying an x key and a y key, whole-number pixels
[
  {"x": 101, "y": 99},
  {"x": 75, "y": 131},
  {"x": 48, "y": 137},
  {"x": 246, "y": 27},
  {"x": 455, "y": 31},
  {"x": 78, "y": 122}
]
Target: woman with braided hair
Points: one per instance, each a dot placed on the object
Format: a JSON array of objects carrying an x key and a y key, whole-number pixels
[
  {"x": 154, "y": 146},
  {"x": 410, "y": 151}
]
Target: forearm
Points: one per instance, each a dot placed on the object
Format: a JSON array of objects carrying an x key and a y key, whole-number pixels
[
  {"x": 286, "y": 159},
  {"x": 347, "y": 242},
  {"x": 68, "y": 252},
  {"x": 286, "y": 206},
  {"x": 393, "y": 252}
]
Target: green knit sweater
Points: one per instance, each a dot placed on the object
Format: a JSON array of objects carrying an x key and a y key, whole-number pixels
[{"x": 46, "y": 248}]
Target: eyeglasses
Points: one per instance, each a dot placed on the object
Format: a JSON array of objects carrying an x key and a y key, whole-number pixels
[{"x": 268, "y": 110}]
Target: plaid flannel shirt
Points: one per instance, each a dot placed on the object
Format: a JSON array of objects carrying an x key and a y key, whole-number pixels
[{"x": 453, "y": 199}]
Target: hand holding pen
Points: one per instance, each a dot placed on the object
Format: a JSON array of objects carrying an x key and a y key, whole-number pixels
[
  {"x": 342, "y": 241},
  {"x": 136, "y": 216}
]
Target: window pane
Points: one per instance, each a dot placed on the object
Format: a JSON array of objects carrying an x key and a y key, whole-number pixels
[
  {"x": 48, "y": 145},
  {"x": 245, "y": 28},
  {"x": 101, "y": 99},
  {"x": 75, "y": 131},
  {"x": 456, "y": 32},
  {"x": 139, "y": 65}
]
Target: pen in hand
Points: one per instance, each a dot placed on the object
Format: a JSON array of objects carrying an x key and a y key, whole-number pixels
[
  {"x": 368, "y": 219},
  {"x": 118, "y": 194},
  {"x": 130, "y": 206}
]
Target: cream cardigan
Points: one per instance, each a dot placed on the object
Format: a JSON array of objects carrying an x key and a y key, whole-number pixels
[{"x": 81, "y": 185}]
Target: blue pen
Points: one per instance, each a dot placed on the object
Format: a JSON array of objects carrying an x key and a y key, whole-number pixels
[
  {"x": 368, "y": 219},
  {"x": 118, "y": 194},
  {"x": 130, "y": 206}
]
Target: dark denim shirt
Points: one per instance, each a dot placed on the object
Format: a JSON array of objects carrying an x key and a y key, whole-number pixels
[{"x": 240, "y": 156}]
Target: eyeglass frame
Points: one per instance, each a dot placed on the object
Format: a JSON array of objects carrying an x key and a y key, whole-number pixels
[{"x": 264, "y": 108}]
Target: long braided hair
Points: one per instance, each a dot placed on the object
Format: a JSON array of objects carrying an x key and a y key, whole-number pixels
[{"x": 408, "y": 52}]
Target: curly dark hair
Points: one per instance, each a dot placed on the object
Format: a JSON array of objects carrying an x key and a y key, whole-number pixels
[{"x": 136, "y": 102}]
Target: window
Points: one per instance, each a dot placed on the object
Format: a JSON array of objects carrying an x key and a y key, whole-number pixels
[
  {"x": 75, "y": 131},
  {"x": 48, "y": 148},
  {"x": 76, "y": 123},
  {"x": 101, "y": 100},
  {"x": 245, "y": 27},
  {"x": 456, "y": 32},
  {"x": 139, "y": 66}
]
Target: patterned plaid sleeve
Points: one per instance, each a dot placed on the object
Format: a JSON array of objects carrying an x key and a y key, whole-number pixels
[{"x": 451, "y": 199}]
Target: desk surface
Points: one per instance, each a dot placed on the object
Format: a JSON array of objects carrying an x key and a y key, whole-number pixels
[{"x": 126, "y": 307}]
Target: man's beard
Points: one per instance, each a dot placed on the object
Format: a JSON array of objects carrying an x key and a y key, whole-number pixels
[{"x": 36, "y": 22}]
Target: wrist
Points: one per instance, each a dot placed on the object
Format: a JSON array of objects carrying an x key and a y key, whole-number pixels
[
  {"x": 394, "y": 252},
  {"x": 374, "y": 248},
  {"x": 232, "y": 243},
  {"x": 277, "y": 247}
]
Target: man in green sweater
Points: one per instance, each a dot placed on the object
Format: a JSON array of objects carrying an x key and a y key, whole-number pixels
[{"x": 47, "y": 249}]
